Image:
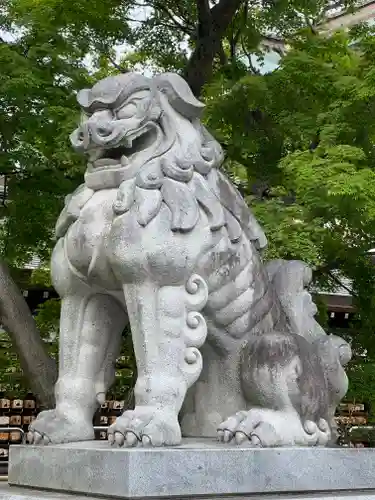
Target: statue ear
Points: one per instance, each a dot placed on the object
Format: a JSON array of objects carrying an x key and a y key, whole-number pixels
[
  {"x": 179, "y": 95},
  {"x": 83, "y": 98}
]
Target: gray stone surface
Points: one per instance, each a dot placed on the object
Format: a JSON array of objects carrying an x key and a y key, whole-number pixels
[
  {"x": 159, "y": 237},
  {"x": 196, "y": 468}
]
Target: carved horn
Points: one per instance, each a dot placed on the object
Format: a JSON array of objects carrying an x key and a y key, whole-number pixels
[{"x": 179, "y": 95}]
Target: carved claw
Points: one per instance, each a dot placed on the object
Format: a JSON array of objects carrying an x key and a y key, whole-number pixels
[
  {"x": 257, "y": 427},
  {"x": 146, "y": 441},
  {"x": 119, "y": 438},
  {"x": 240, "y": 437},
  {"x": 270, "y": 428},
  {"x": 36, "y": 438},
  {"x": 220, "y": 435},
  {"x": 228, "y": 436},
  {"x": 145, "y": 427},
  {"x": 131, "y": 439},
  {"x": 227, "y": 429},
  {"x": 224, "y": 436},
  {"x": 256, "y": 441}
]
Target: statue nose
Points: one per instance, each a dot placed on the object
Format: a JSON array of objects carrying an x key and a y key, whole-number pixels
[
  {"x": 102, "y": 133},
  {"x": 100, "y": 129},
  {"x": 89, "y": 134}
]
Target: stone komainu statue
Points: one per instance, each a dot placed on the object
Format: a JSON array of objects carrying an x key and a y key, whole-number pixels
[{"x": 158, "y": 236}]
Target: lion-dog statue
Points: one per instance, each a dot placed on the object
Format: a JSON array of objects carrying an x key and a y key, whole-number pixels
[{"x": 157, "y": 236}]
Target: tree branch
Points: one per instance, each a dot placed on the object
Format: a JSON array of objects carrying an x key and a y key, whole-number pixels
[
  {"x": 172, "y": 17},
  {"x": 237, "y": 36},
  {"x": 222, "y": 56},
  {"x": 156, "y": 21},
  {"x": 250, "y": 62},
  {"x": 339, "y": 282},
  {"x": 115, "y": 65}
]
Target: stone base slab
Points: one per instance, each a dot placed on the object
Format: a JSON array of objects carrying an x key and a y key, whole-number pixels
[
  {"x": 197, "y": 468},
  {"x": 14, "y": 493}
]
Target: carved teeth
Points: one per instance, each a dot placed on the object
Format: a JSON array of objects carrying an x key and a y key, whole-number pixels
[
  {"x": 134, "y": 135},
  {"x": 95, "y": 154}
]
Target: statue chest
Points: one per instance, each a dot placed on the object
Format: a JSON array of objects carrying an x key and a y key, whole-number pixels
[
  {"x": 110, "y": 249},
  {"x": 154, "y": 252},
  {"x": 87, "y": 239}
]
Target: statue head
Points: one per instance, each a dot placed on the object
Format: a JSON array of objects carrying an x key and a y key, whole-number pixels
[{"x": 129, "y": 121}]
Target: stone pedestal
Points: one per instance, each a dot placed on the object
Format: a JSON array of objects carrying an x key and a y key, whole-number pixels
[{"x": 197, "y": 468}]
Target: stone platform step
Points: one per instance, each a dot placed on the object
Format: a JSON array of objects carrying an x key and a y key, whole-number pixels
[
  {"x": 201, "y": 468},
  {"x": 13, "y": 493}
]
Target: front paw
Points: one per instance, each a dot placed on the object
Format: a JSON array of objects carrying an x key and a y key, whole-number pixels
[
  {"x": 146, "y": 426},
  {"x": 53, "y": 428},
  {"x": 248, "y": 426},
  {"x": 269, "y": 428}
]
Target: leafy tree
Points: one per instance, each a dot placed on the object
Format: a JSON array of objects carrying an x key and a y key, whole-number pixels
[
  {"x": 40, "y": 73},
  {"x": 300, "y": 144},
  {"x": 362, "y": 382},
  {"x": 302, "y": 140}
]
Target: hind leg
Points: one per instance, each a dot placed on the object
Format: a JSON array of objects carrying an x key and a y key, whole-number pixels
[
  {"x": 216, "y": 395},
  {"x": 219, "y": 393}
]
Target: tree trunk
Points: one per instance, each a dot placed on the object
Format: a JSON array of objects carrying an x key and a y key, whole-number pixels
[
  {"x": 212, "y": 25},
  {"x": 39, "y": 369}
]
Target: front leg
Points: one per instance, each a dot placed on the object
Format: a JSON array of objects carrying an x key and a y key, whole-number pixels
[
  {"x": 167, "y": 330},
  {"x": 90, "y": 334}
]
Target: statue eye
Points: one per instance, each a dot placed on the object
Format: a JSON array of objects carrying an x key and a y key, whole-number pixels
[{"x": 127, "y": 111}]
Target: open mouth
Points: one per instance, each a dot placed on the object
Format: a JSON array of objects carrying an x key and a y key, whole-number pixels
[{"x": 121, "y": 154}]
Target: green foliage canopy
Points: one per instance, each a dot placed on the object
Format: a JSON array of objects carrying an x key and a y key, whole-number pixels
[{"x": 304, "y": 134}]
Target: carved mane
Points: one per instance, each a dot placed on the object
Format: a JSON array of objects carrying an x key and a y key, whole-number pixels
[{"x": 182, "y": 171}]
